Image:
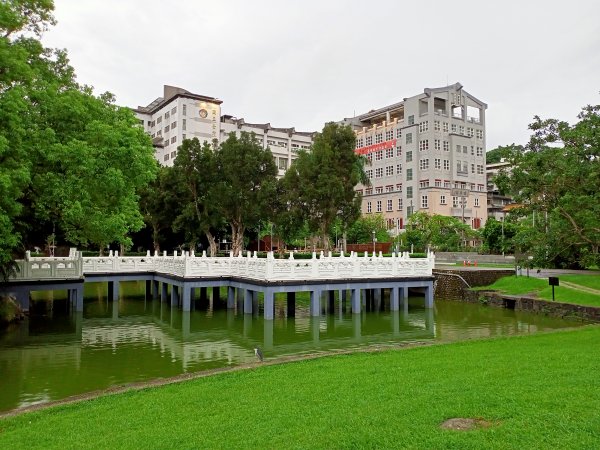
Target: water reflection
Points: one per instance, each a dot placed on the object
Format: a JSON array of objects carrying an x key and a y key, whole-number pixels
[{"x": 60, "y": 353}]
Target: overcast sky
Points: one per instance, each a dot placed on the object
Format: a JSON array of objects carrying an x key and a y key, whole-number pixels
[{"x": 303, "y": 63}]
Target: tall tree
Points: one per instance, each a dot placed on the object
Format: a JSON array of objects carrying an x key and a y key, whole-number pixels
[
  {"x": 68, "y": 159},
  {"x": 247, "y": 184},
  {"x": 196, "y": 166},
  {"x": 556, "y": 178},
  {"x": 320, "y": 184},
  {"x": 441, "y": 233}
]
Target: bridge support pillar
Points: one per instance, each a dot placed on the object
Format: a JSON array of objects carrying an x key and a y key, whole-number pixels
[
  {"x": 154, "y": 289},
  {"x": 248, "y": 296},
  {"x": 269, "y": 304},
  {"x": 164, "y": 291},
  {"x": 255, "y": 308},
  {"x": 230, "y": 297},
  {"x": 291, "y": 304},
  {"x": 394, "y": 303},
  {"x": 331, "y": 301},
  {"x": 148, "y": 289},
  {"x": 186, "y": 298},
  {"x": 355, "y": 300},
  {"x": 378, "y": 294},
  {"x": 174, "y": 296},
  {"x": 76, "y": 298},
  {"x": 113, "y": 290},
  {"x": 315, "y": 303},
  {"x": 216, "y": 294},
  {"x": 429, "y": 296}
]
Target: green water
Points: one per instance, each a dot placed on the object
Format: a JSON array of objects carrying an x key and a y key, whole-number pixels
[{"x": 56, "y": 353}]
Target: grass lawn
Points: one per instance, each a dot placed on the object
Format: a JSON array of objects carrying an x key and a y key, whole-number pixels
[
  {"x": 540, "y": 391},
  {"x": 591, "y": 281},
  {"x": 514, "y": 285}
]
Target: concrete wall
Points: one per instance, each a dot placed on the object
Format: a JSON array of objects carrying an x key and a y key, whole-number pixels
[
  {"x": 454, "y": 257},
  {"x": 454, "y": 284},
  {"x": 546, "y": 307}
]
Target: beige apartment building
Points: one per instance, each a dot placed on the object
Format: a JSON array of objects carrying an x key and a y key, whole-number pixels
[
  {"x": 426, "y": 153},
  {"x": 180, "y": 114}
]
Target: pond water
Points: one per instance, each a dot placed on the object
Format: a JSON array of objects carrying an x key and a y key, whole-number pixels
[{"x": 56, "y": 353}]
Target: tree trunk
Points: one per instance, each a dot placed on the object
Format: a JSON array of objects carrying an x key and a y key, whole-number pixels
[
  {"x": 212, "y": 244},
  {"x": 155, "y": 235},
  {"x": 237, "y": 238}
]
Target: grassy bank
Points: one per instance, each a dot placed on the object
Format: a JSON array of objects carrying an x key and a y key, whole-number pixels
[
  {"x": 539, "y": 391},
  {"x": 539, "y": 287}
]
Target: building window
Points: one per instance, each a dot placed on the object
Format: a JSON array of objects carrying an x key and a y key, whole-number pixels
[
  {"x": 174, "y": 110},
  {"x": 378, "y": 205},
  {"x": 389, "y": 135},
  {"x": 423, "y": 126},
  {"x": 437, "y": 144},
  {"x": 455, "y": 202},
  {"x": 465, "y": 149},
  {"x": 424, "y": 201},
  {"x": 167, "y": 115},
  {"x": 409, "y": 192},
  {"x": 166, "y": 128},
  {"x": 457, "y": 148},
  {"x": 437, "y": 163},
  {"x": 399, "y": 187},
  {"x": 411, "y": 120},
  {"x": 461, "y": 130},
  {"x": 166, "y": 142},
  {"x": 479, "y": 151},
  {"x": 379, "y": 138},
  {"x": 442, "y": 199},
  {"x": 479, "y": 134},
  {"x": 184, "y": 110},
  {"x": 476, "y": 201},
  {"x": 398, "y": 133},
  {"x": 389, "y": 188},
  {"x": 436, "y": 125},
  {"x": 369, "y": 140},
  {"x": 447, "y": 184},
  {"x": 173, "y": 125},
  {"x": 446, "y": 146},
  {"x": 369, "y": 210},
  {"x": 424, "y": 184},
  {"x": 445, "y": 126},
  {"x": 378, "y": 172},
  {"x": 166, "y": 157},
  {"x": 399, "y": 169},
  {"x": 472, "y": 168},
  {"x": 183, "y": 137},
  {"x": 390, "y": 205},
  {"x": 379, "y": 190},
  {"x": 378, "y": 155},
  {"x": 159, "y": 119},
  {"x": 446, "y": 164},
  {"x": 470, "y": 132},
  {"x": 424, "y": 145},
  {"x": 409, "y": 138},
  {"x": 479, "y": 169},
  {"x": 398, "y": 151},
  {"x": 370, "y": 157},
  {"x": 438, "y": 183},
  {"x": 184, "y": 124},
  {"x": 283, "y": 163},
  {"x": 399, "y": 204},
  {"x": 369, "y": 191},
  {"x": 454, "y": 127},
  {"x": 173, "y": 153},
  {"x": 389, "y": 153},
  {"x": 389, "y": 170},
  {"x": 409, "y": 156},
  {"x": 424, "y": 164},
  {"x": 409, "y": 175},
  {"x": 173, "y": 139},
  {"x": 369, "y": 173}
]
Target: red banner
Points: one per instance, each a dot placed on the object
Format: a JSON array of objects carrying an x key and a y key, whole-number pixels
[{"x": 373, "y": 148}]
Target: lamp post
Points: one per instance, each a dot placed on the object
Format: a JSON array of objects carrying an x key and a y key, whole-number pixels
[{"x": 373, "y": 234}]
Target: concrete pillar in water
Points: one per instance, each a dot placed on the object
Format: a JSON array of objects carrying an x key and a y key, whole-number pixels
[
  {"x": 216, "y": 294},
  {"x": 185, "y": 322},
  {"x": 355, "y": 300},
  {"x": 154, "y": 289},
  {"x": 186, "y": 298},
  {"x": 378, "y": 294},
  {"x": 429, "y": 296},
  {"x": 240, "y": 300},
  {"x": 269, "y": 304},
  {"x": 148, "y": 291},
  {"x": 315, "y": 303},
  {"x": 78, "y": 293},
  {"x": 230, "y": 297},
  {"x": 291, "y": 304},
  {"x": 113, "y": 290},
  {"x": 174, "y": 296},
  {"x": 394, "y": 300},
  {"x": 164, "y": 291},
  {"x": 248, "y": 301}
]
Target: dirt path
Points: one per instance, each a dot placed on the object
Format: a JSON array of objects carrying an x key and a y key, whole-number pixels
[{"x": 579, "y": 287}]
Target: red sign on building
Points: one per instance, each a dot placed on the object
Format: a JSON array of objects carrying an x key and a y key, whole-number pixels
[{"x": 373, "y": 148}]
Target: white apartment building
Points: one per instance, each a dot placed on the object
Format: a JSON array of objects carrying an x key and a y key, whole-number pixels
[
  {"x": 180, "y": 115},
  {"x": 426, "y": 153}
]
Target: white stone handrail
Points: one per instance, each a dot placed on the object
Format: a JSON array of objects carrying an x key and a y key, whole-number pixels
[{"x": 269, "y": 269}]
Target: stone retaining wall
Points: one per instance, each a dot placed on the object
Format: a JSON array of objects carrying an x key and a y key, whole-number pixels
[
  {"x": 546, "y": 307},
  {"x": 450, "y": 286}
]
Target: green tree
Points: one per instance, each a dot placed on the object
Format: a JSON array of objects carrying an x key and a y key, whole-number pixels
[
  {"x": 320, "y": 184},
  {"x": 361, "y": 231},
  {"x": 68, "y": 159},
  {"x": 196, "y": 167},
  {"x": 556, "y": 178},
  {"x": 498, "y": 236},
  {"x": 497, "y": 154},
  {"x": 440, "y": 233},
  {"x": 246, "y": 185}
]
